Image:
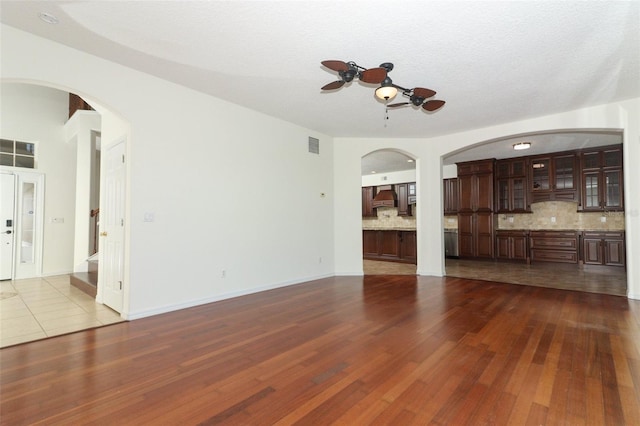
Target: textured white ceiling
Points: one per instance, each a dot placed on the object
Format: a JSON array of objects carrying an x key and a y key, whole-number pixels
[{"x": 492, "y": 62}]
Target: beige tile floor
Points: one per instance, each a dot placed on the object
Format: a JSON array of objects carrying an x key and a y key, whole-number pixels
[
  {"x": 36, "y": 308},
  {"x": 611, "y": 280}
]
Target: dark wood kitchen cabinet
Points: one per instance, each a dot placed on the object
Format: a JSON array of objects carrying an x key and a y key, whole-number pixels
[
  {"x": 368, "y": 192},
  {"x": 554, "y": 177},
  {"x": 402, "y": 191},
  {"x": 475, "y": 209},
  {"x": 475, "y": 189},
  {"x": 512, "y": 186},
  {"x": 412, "y": 192},
  {"x": 554, "y": 246},
  {"x": 450, "y": 196},
  {"x": 512, "y": 245},
  {"x": 602, "y": 183},
  {"x": 603, "y": 248},
  {"x": 475, "y": 235},
  {"x": 389, "y": 245}
]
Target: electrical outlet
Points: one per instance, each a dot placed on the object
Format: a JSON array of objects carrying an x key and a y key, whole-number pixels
[
  {"x": 223, "y": 273},
  {"x": 553, "y": 219}
]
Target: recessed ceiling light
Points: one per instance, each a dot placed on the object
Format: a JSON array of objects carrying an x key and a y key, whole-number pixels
[
  {"x": 373, "y": 172},
  {"x": 48, "y": 18},
  {"x": 521, "y": 145},
  {"x": 410, "y": 160}
]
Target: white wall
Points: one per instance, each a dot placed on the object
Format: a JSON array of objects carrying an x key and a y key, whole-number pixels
[
  {"x": 80, "y": 132},
  {"x": 428, "y": 152},
  {"x": 230, "y": 188},
  {"x": 37, "y": 114},
  {"x": 390, "y": 178}
]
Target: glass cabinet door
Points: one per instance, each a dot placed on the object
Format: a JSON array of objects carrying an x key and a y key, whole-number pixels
[
  {"x": 612, "y": 188},
  {"x": 591, "y": 184},
  {"x": 565, "y": 171},
  {"x": 503, "y": 195},
  {"x": 541, "y": 174},
  {"x": 518, "y": 188}
]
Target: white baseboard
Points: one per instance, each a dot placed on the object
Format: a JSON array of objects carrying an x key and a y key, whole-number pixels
[
  {"x": 428, "y": 273},
  {"x": 197, "y": 302}
]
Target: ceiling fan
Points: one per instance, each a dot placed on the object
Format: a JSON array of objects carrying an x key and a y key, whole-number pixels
[{"x": 348, "y": 71}]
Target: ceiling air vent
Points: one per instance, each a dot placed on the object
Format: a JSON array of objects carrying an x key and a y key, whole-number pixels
[{"x": 314, "y": 145}]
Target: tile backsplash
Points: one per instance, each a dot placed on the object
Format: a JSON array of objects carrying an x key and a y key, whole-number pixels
[
  {"x": 561, "y": 215},
  {"x": 388, "y": 219},
  {"x": 542, "y": 217}
]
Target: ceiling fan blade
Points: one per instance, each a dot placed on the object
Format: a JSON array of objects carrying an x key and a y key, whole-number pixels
[
  {"x": 333, "y": 85},
  {"x": 432, "y": 105},
  {"x": 398, "y": 104},
  {"x": 423, "y": 93},
  {"x": 374, "y": 75},
  {"x": 336, "y": 65}
]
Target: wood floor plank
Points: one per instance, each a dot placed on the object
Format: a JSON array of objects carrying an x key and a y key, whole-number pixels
[{"x": 347, "y": 351}]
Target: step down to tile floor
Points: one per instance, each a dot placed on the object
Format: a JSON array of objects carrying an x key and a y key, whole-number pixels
[{"x": 85, "y": 281}]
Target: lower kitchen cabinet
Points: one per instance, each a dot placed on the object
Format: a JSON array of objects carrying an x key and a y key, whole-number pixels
[
  {"x": 512, "y": 245},
  {"x": 603, "y": 248},
  {"x": 554, "y": 246},
  {"x": 408, "y": 246},
  {"x": 389, "y": 245}
]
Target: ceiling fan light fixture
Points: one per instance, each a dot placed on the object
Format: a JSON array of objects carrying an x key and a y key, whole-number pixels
[
  {"x": 386, "y": 91},
  {"x": 521, "y": 145}
]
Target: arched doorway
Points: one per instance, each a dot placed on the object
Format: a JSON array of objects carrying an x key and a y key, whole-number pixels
[
  {"x": 537, "y": 196},
  {"x": 68, "y": 156},
  {"x": 389, "y": 209}
]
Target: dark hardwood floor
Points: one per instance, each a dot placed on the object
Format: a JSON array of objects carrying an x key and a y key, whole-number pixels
[{"x": 346, "y": 350}]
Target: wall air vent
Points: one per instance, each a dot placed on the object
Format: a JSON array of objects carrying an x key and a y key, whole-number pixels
[{"x": 314, "y": 145}]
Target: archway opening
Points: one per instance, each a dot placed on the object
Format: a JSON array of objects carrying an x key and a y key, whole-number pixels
[
  {"x": 389, "y": 210},
  {"x": 566, "y": 189}
]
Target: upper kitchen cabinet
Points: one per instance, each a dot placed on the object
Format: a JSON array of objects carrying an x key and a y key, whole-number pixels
[
  {"x": 475, "y": 186},
  {"x": 554, "y": 177},
  {"x": 404, "y": 208},
  {"x": 368, "y": 192},
  {"x": 412, "y": 193},
  {"x": 512, "y": 186},
  {"x": 450, "y": 196},
  {"x": 602, "y": 179}
]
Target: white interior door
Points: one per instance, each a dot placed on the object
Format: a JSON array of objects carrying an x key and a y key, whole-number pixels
[
  {"x": 7, "y": 222},
  {"x": 112, "y": 229}
]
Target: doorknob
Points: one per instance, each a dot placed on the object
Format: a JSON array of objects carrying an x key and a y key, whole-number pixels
[
  {"x": 103, "y": 234},
  {"x": 7, "y": 232}
]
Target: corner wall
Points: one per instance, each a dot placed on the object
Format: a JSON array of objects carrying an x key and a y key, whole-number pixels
[{"x": 237, "y": 199}]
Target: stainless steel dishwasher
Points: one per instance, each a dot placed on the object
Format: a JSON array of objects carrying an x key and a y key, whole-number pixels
[{"x": 451, "y": 243}]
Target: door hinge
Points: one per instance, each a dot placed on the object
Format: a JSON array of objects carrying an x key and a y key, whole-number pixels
[
  {"x": 121, "y": 222},
  {"x": 120, "y": 282},
  {"x": 123, "y": 158}
]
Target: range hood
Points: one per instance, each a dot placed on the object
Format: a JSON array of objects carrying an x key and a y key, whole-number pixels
[{"x": 385, "y": 198}]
